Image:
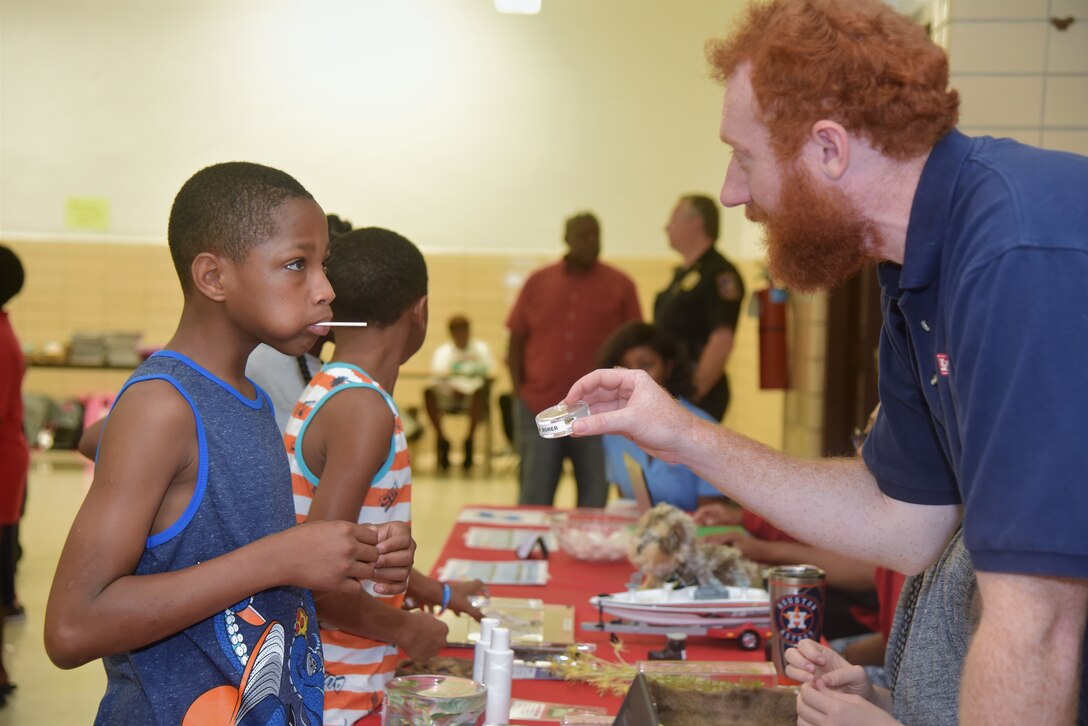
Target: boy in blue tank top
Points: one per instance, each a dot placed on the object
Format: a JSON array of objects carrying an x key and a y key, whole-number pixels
[{"x": 183, "y": 569}]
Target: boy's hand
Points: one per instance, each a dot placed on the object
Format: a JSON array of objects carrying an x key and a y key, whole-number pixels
[
  {"x": 329, "y": 556},
  {"x": 397, "y": 551},
  {"x": 461, "y": 593},
  {"x": 819, "y": 705},
  {"x": 819, "y": 665},
  {"x": 425, "y": 637}
]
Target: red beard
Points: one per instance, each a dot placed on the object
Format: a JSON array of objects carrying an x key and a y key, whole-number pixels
[{"x": 815, "y": 239}]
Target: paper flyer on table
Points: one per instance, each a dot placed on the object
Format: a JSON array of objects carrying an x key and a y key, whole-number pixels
[
  {"x": 497, "y": 538},
  {"x": 540, "y": 711},
  {"x": 521, "y": 572},
  {"x": 485, "y": 515}
]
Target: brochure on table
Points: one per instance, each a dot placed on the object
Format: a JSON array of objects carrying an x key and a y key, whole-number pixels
[
  {"x": 517, "y": 572},
  {"x": 501, "y": 538},
  {"x": 504, "y": 517}
]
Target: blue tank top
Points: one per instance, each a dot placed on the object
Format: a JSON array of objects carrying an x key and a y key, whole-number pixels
[{"x": 259, "y": 661}]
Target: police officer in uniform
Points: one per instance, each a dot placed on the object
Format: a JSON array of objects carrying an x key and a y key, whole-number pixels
[{"x": 701, "y": 305}]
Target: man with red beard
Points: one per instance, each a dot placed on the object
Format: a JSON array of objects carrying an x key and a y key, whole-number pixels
[{"x": 844, "y": 147}]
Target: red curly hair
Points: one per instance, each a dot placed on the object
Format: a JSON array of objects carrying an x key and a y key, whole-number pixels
[{"x": 856, "y": 62}]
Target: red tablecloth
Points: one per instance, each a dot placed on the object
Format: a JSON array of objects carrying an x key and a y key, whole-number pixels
[{"x": 573, "y": 582}]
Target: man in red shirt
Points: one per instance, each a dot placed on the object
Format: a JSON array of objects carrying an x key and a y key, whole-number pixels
[{"x": 562, "y": 315}]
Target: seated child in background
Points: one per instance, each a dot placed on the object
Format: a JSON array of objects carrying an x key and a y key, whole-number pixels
[
  {"x": 183, "y": 569},
  {"x": 349, "y": 461},
  {"x": 654, "y": 350},
  {"x": 461, "y": 368}
]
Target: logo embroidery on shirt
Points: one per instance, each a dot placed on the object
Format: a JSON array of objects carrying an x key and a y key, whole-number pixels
[
  {"x": 389, "y": 498},
  {"x": 943, "y": 364}
]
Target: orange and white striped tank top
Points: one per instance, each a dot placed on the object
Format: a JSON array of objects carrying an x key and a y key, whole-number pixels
[{"x": 356, "y": 668}]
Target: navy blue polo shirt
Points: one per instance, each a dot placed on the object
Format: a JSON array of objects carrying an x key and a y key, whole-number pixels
[{"x": 984, "y": 354}]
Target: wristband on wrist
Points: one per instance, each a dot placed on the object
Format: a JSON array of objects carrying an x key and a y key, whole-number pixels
[{"x": 446, "y": 594}]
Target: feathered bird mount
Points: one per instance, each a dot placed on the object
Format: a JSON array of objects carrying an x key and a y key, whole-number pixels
[{"x": 665, "y": 549}]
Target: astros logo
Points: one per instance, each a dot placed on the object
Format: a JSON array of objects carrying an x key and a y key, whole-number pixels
[{"x": 796, "y": 617}]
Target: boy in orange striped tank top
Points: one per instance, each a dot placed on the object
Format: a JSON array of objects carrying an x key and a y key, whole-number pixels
[{"x": 349, "y": 460}]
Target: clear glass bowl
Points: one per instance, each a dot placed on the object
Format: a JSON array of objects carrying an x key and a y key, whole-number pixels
[
  {"x": 593, "y": 535},
  {"x": 433, "y": 701}
]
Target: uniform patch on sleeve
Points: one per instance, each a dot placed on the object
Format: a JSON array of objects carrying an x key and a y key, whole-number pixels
[{"x": 728, "y": 285}]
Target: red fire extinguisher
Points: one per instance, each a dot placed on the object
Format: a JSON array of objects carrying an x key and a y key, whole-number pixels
[{"x": 774, "y": 370}]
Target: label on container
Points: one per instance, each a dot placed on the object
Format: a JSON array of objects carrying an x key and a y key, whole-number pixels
[
  {"x": 558, "y": 420},
  {"x": 798, "y": 615}
]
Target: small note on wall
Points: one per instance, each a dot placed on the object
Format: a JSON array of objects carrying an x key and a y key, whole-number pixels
[{"x": 87, "y": 213}]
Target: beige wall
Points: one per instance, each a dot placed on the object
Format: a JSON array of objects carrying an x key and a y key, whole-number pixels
[
  {"x": 473, "y": 133},
  {"x": 76, "y": 286},
  {"x": 462, "y": 128},
  {"x": 1018, "y": 75}
]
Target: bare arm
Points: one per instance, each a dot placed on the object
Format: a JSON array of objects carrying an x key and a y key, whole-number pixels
[
  {"x": 846, "y": 573},
  {"x": 515, "y": 360},
  {"x": 88, "y": 440},
  {"x": 98, "y": 606},
  {"x": 1024, "y": 662},
  {"x": 834, "y": 504},
  {"x": 417, "y": 633},
  {"x": 711, "y": 363},
  {"x": 346, "y": 445}
]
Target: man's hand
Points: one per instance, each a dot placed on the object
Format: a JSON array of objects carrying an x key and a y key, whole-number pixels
[
  {"x": 327, "y": 556},
  {"x": 425, "y": 637},
  {"x": 629, "y": 402},
  {"x": 397, "y": 551}
]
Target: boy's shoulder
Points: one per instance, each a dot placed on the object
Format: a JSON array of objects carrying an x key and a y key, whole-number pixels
[
  {"x": 338, "y": 377},
  {"x": 337, "y": 373}
]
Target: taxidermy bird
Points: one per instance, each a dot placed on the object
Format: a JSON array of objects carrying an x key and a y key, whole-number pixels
[{"x": 665, "y": 549}]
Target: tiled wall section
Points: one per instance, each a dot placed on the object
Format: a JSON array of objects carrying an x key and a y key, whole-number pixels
[
  {"x": 103, "y": 286},
  {"x": 1018, "y": 74},
  {"x": 802, "y": 433}
]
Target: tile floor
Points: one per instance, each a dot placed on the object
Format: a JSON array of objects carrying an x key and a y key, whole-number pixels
[{"x": 58, "y": 480}]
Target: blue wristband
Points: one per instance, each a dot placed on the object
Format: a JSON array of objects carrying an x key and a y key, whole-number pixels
[{"x": 446, "y": 593}]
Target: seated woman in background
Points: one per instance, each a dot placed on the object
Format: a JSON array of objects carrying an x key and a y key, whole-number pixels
[{"x": 656, "y": 351}]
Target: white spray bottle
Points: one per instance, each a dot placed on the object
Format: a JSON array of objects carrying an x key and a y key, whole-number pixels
[
  {"x": 499, "y": 677},
  {"x": 479, "y": 656}
]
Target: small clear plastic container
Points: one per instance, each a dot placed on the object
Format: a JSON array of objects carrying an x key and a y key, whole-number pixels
[
  {"x": 426, "y": 700},
  {"x": 557, "y": 421}
]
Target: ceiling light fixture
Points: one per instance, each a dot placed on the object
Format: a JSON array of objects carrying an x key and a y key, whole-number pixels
[{"x": 518, "y": 7}]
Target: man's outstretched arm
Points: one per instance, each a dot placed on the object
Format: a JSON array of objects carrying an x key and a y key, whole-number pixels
[{"x": 830, "y": 503}]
